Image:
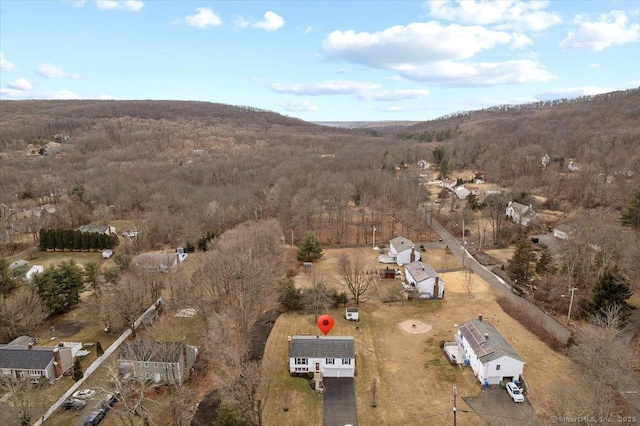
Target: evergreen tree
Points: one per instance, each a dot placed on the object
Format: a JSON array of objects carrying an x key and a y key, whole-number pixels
[
  {"x": 99, "y": 351},
  {"x": 631, "y": 213},
  {"x": 7, "y": 282},
  {"x": 44, "y": 241},
  {"x": 611, "y": 290},
  {"x": 59, "y": 287},
  {"x": 310, "y": 248},
  {"x": 521, "y": 266},
  {"x": 77, "y": 370},
  {"x": 289, "y": 296}
]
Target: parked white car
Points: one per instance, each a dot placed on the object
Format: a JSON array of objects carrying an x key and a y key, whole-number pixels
[
  {"x": 515, "y": 392},
  {"x": 84, "y": 394}
]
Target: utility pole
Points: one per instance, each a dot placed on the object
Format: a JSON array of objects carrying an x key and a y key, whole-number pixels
[
  {"x": 374, "y": 237},
  {"x": 292, "y": 237},
  {"x": 455, "y": 393},
  {"x": 572, "y": 290},
  {"x": 464, "y": 250}
]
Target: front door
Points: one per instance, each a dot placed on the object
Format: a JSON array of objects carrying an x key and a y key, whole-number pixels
[{"x": 317, "y": 367}]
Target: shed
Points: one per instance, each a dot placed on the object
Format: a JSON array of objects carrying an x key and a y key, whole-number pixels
[{"x": 387, "y": 273}]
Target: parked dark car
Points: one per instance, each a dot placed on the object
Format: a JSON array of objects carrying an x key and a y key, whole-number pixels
[
  {"x": 96, "y": 417},
  {"x": 74, "y": 403}
]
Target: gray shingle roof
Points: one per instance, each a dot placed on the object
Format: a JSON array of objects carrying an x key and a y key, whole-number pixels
[
  {"x": 401, "y": 244},
  {"x": 420, "y": 271},
  {"x": 322, "y": 347},
  {"x": 495, "y": 341},
  {"x": 151, "y": 351},
  {"x": 23, "y": 358}
]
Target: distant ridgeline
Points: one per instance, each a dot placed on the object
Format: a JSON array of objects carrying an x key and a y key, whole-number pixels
[
  {"x": 75, "y": 240},
  {"x": 543, "y": 104}
]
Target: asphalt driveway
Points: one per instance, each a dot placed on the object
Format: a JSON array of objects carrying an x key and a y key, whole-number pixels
[
  {"x": 339, "y": 402},
  {"x": 495, "y": 407}
]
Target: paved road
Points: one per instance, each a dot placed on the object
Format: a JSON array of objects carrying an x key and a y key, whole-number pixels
[
  {"x": 532, "y": 311},
  {"x": 339, "y": 402}
]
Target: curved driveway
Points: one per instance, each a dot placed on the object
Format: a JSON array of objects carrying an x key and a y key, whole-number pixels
[{"x": 534, "y": 313}]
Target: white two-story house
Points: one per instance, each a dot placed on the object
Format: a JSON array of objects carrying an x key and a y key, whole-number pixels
[
  {"x": 427, "y": 282},
  {"x": 331, "y": 356},
  {"x": 491, "y": 358},
  {"x": 403, "y": 251}
]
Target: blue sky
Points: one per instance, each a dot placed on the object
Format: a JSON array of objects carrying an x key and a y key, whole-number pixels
[{"x": 321, "y": 60}]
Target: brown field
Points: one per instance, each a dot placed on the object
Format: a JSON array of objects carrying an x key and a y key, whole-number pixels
[{"x": 414, "y": 380}]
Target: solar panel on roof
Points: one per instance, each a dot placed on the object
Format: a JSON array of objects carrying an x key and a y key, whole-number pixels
[{"x": 476, "y": 340}]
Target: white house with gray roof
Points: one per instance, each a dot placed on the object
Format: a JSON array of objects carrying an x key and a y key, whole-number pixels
[
  {"x": 403, "y": 250},
  {"x": 427, "y": 282},
  {"x": 519, "y": 213},
  {"x": 333, "y": 356},
  {"x": 490, "y": 356},
  {"x": 160, "y": 362}
]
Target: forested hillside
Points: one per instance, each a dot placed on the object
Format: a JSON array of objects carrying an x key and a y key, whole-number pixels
[{"x": 187, "y": 168}]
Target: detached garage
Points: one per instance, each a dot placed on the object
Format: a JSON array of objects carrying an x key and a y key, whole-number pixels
[{"x": 330, "y": 356}]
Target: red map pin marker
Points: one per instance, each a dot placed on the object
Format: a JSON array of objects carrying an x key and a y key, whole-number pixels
[{"x": 325, "y": 323}]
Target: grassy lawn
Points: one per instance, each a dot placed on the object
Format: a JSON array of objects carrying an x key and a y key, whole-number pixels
[
  {"x": 49, "y": 258},
  {"x": 413, "y": 378}
]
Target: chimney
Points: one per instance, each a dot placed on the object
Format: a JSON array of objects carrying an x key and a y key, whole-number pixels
[
  {"x": 413, "y": 255},
  {"x": 57, "y": 363},
  {"x": 30, "y": 345},
  {"x": 480, "y": 317},
  {"x": 486, "y": 336}
]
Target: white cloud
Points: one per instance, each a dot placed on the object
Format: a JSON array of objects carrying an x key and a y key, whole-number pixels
[
  {"x": 271, "y": 22},
  {"x": 414, "y": 43},
  {"x": 573, "y": 92},
  {"x": 74, "y": 3},
  {"x": 205, "y": 17},
  {"x": 595, "y": 65},
  {"x": 132, "y": 5},
  {"x": 394, "y": 95},
  {"x": 16, "y": 94},
  {"x": 330, "y": 87},
  {"x": 6, "y": 65},
  {"x": 433, "y": 53},
  {"x": 513, "y": 15},
  {"x": 297, "y": 105},
  {"x": 21, "y": 84},
  {"x": 458, "y": 74},
  {"x": 53, "y": 71},
  {"x": 608, "y": 30}
]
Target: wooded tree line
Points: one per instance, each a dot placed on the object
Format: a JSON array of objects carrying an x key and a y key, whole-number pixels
[{"x": 73, "y": 239}]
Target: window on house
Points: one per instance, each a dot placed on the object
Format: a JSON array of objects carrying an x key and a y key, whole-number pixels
[
  {"x": 147, "y": 375},
  {"x": 330, "y": 361},
  {"x": 346, "y": 361},
  {"x": 498, "y": 367},
  {"x": 301, "y": 361},
  {"x": 301, "y": 369},
  {"x": 34, "y": 372},
  {"x": 146, "y": 364},
  {"x": 6, "y": 371}
]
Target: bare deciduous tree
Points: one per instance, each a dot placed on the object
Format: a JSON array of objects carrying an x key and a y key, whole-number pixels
[
  {"x": 21, "y": 312},
  {"x": 354, "y": 277},
  {"x": 469, "y": 282},
  {"x": 317, "y": 298}
]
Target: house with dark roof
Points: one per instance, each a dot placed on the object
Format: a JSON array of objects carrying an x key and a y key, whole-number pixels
[
  {"x": 519, "y": 213},
  {"x": 490, "y": 356},
  {"x": 160, "y": 362},
  {"x": 34, "y": 362},
  {"x": 403, "y": 251},
  {"x": 426, "y": 281},
  {"x": 331, "y": 356}
]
